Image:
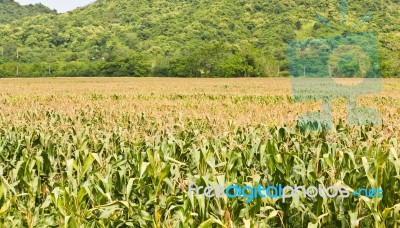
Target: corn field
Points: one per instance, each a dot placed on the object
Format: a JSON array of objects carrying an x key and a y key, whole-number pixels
[{"x": 107, "y": 152}]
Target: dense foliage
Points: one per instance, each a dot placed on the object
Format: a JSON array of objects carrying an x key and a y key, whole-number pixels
[
  {"x": 121, "y": 153},
  {"x": 11, "y": 11},
  {"x": 196, "y": 38}
]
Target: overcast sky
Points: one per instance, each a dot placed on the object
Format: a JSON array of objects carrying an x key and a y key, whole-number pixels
[{"x": 60, "y": 5}]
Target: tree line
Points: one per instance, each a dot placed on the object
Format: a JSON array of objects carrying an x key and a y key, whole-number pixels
[{"x": 194, "y": 38}]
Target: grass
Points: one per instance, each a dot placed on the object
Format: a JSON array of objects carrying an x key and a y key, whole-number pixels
[{"x": 118, "y": 152}]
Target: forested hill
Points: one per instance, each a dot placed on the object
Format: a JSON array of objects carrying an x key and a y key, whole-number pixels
[
  {"x": 11, "y": 11},
  {"x": 200, "y": 38}
]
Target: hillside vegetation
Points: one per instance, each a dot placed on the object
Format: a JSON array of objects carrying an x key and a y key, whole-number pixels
[
  {"x": 197, "y": 38},
  {"x": 11, "y": 11}
]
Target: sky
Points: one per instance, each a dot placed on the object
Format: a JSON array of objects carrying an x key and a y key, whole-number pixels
[{"x": 60, "y": 5}]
